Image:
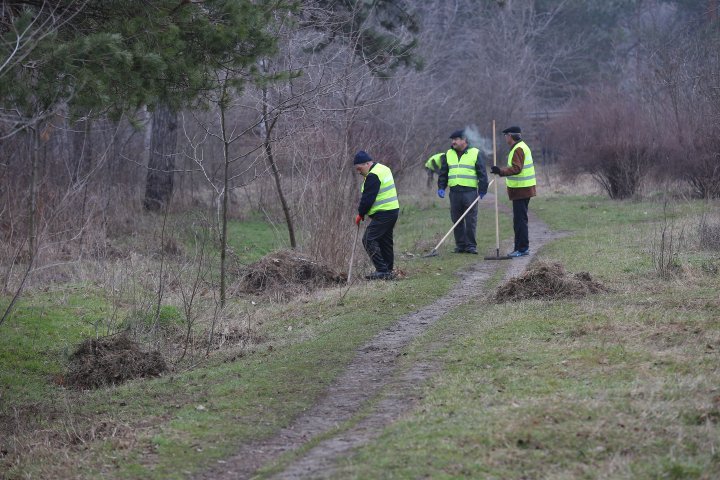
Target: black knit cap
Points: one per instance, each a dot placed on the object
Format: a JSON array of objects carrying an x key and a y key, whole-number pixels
[
  {"x": 458, "y": 134},
  {"x": 514, "y": 130},
  {"x": 362, "y": 157}
]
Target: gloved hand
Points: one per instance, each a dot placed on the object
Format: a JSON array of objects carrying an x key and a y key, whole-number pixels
[
  {"x": 481, "y": 194},
  {"x": 359, "y": 219},
  {"x": 441, "y": 193},
  {"x": 495, "y": 169}
]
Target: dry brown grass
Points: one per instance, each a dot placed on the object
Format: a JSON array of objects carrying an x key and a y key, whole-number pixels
[{"x": 553, "y": 181}]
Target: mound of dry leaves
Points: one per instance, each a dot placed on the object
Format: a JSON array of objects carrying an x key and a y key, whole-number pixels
[
  {"x": 548, "y": 281},
  {"x": 110, "y": 361},
  {"x": 288, "y": 272}
]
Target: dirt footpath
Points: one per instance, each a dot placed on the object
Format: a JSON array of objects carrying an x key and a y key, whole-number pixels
[{"x": 373, "y": 376}]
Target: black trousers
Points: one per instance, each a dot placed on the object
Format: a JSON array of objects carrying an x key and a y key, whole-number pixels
[
  {"x": 460, "y": 200},
  {"x": 378, "y": 239},
  {"x": 520, "y": 224}
]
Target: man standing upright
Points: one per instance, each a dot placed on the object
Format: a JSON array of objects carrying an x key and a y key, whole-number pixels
[
  {"x": 380, "y": 202},
  {"x": 462, "y": 169},
  {"x": 520, "y": 180}
]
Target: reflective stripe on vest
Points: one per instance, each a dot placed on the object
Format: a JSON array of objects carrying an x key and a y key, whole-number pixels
[
  {"x": 462, "y": 171},
  {"x": 386, "y": 198},
  {"x": 526, "y": 176},
  {"x": 433, "y": 162}
]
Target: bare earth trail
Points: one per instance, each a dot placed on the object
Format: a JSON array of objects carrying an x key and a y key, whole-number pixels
[{"x": 372, "y": 385}]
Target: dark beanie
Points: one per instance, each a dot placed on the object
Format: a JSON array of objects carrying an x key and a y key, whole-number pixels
[
  {"x": 458, "y": 134},
  {"x": 362, "y": 157}
]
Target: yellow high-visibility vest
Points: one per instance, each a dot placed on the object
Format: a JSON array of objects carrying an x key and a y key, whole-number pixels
[
  {"x": 526, "y": 176},
  {"x": 462, "y": 171},
  {"x": 386, "y": 198},
  {"x": 433, "y": 162}
]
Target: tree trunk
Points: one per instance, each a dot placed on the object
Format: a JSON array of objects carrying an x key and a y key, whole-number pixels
[
  {"x": 32, "y": 213},
  {"x": 712, "y": 11},
  {"x": 267, "y": 130},
  {"x": 225, "y": 193},
  {"x": 161, "y": 163}
]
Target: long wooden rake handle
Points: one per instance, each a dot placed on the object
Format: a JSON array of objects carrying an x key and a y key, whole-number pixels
[
  {"x": 497, "y": 223},
  {"x": 352, "y": 255},
  {"x": 458, "y": 221}
]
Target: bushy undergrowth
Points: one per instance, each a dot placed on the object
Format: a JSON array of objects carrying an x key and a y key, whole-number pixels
[{"x": 709, "y": 233}]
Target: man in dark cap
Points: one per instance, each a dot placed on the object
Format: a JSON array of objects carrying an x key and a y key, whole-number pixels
[
  {"x": 520, "y": 180},
  {"x": 462, "y": 169},
  {"x": 379, "y": 201}
]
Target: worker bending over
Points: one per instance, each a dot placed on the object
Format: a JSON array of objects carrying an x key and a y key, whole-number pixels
[
  {"x": 432, "y": 166},
  {"x": 379, "y": 201}
]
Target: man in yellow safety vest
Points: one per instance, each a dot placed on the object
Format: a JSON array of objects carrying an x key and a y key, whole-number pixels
[
  {"x": 462, "y": 169},
  {"x": 379, "y": 201},
  {"x": 520, "y": 180},
  {"x": 433, "y": 166}
]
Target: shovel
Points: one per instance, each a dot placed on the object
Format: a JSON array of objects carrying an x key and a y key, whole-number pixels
[
  {"x": 497, "y": 223},
  {"x": 434, "y": 252}
]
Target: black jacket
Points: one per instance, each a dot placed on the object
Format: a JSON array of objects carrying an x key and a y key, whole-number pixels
[{"x": 370, "y": 191}]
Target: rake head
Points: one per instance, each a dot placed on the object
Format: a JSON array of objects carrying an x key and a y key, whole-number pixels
[{"x": 497, "y": 256}]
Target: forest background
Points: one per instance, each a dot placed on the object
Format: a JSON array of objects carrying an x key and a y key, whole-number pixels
[{"x": 128, "y": 128}]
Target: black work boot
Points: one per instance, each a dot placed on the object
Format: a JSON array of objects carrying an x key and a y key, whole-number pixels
[{"x": 379, "y": 276}]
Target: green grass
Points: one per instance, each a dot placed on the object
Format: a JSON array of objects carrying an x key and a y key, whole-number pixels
[
  {"x": 622, "y": 385},
  {"x": 253, "y": 239},
  {"x": 157, "y": 429},
  {"x": 37, "y": 340}
]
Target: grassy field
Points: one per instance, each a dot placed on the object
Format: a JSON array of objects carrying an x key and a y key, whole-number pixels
[
  {"x": 620, "y": 385},
  {"x": 184, "y": 421}
]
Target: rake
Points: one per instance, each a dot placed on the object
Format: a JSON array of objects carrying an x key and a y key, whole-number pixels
[
  {"x": 434, "y": 252},
  {"x": 497, "y": 223}
]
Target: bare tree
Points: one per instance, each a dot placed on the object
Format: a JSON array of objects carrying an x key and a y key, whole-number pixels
[{"x": 235, "y": 164}]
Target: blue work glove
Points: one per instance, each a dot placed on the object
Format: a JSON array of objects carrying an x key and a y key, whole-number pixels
[
  {"x": 441, "y": 193},
  {"x": 481, "y": 195}
]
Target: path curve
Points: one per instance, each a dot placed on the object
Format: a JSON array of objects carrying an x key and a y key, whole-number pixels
[{"x": 371, "y": 376}]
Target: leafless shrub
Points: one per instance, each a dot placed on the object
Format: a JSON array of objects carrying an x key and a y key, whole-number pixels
[
  {"x": 194, "y": 277},
  {"x": 702, "y": 165},
  {"x": 665, "y": 245},
  {"x": 709, "y": 233},
  {"x": 231, "y": 336},
  {"x": 608, "y": 135},
  {"x": 328, "y": 227}
]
